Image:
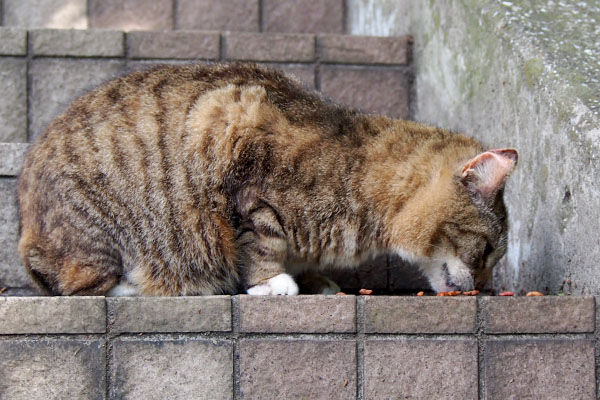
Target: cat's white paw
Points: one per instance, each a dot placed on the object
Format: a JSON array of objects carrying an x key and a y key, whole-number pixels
[
  {"x": 123, "y": 289},
  {"x": 282, "y": 284},
  {"x": 331, "y": 288}
]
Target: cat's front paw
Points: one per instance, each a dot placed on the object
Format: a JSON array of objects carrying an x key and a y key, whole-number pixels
[{"x": 281, "y": 284}]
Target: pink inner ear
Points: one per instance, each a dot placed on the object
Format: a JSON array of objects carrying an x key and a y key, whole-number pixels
[{"x": 490, "y": 169}]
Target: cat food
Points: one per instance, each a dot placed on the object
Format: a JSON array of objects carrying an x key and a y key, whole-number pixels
[
  {"x": 452, "y": 293},
  {"x": 534, "y": 294},
  {"x": 340, "y": 293},
  {"x": 420, "y": 294},
  {"x": 365, "y": 292},
  {"x": 471, "y": 293},
  {"x": 506, "y": 294}
]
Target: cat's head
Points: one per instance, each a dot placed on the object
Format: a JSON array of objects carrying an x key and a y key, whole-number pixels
[{"x": 468, "y": 235}]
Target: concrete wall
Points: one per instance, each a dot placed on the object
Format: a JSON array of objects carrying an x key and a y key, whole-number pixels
[{"x": 522, "y": 74}]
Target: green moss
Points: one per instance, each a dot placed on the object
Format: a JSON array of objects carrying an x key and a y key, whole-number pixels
[{"x": 533, "y": 71}]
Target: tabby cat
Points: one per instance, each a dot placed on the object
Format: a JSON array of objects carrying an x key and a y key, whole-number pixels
[{"x": 197, "y": 180}]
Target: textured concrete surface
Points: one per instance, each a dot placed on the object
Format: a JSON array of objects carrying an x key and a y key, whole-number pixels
[
  {"x": 13, "y": 100},
  {"x": 174, "y": 45},
  {"x": 227, "y": 15},
  {"x": 54, "y": 83},
  {"x": 298, "y": 314},
  {"x": 12, "y": 157},
  {"x": 538, "y": 314},
  {"x": 383, "y": 314},
  {"x": 525, "y": 75},
  {"x": 303, "y": 16},
  {"x": 420, "y": 369},
  {"x": 131, "y": 14},
  {"x": 52, "y": 315},
  {"x": 170, "y": 314},
  {"x": 274, "y": 47},
  {"x": 384, "y": 91},
  {"x": 543, "y": 369},
  {"x": 297, "y": 369},
  {"x": 71, "y": 42},
  {"x": 172, "y": 369},
  {"x": 62, "y": 14},
  {"x": 12, "y": 272},
  {"x": 52, "y": 369},
  {"x": 13, "y": 41}
]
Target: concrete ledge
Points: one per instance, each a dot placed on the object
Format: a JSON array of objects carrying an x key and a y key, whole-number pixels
[
  {"x": 13, "y": 41},
  {"x": 45, "y": 315},
  {"x": 12, "y": 157},
  {"x": 74, "y": 42}
]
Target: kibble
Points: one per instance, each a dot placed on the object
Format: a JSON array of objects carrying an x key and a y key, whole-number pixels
[
  {"x": 534, "y": 294},
  {"x": 471, "y": 293},
  {"x": 420, "y": 294},
  {"x": 365, "y": 292},
  {"x": 506, "y": 294}
]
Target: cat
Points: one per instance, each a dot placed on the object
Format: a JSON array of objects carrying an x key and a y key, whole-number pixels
[{"x": 198, "y": 180}]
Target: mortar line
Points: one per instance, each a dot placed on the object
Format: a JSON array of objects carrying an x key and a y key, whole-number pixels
[
  {"x": 345, "y": 19},
  {"x": 235, "y": 328},
  {"x": 107, "y": 353},
  {"x": 360, "y": 348},
  {"x": 596, "y": 348},
  {"x": 260, "y": 16},
  {"x": 317, "y": 65},
  {"x": 174, "y": 7},
  {"x": 88, "y": 14},
  {"x": 28, "y": 85},
  {"x": 479, "y": 323}
]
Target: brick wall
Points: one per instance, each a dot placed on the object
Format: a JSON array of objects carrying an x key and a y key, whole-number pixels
[
  {"x": 42, "y": 70},
  {"x": 318, "y": 347}
]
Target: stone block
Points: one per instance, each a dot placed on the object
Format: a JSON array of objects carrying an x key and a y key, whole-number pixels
[
  {"x": 538, "y": 314},
  {"x": 300, "y": 314},
  {"x": 12, "y": 271},
  {"x": 375, "y": 90},
  {"x": 348, "y": 49},
  {"x": 304, "y": 73},
  {"x": 52, "y": 369},
  {"x": 372, "y": 274},
  {"x": 131, "y": 14},
  {"x": 399, "y": 314},
  {"x": 12, "y": 158},
  {"x": 175, "y": 44},
  {"x": 58, "y": 14},
  {"x": 539, "y": 369},
  {"x": 223, "y": 15},
  {"x": 13, "y": 42},
  {"x": 405, "y": 276},
  {"x": 170, "y": 369},
  {"x": 55, "y": 83},
  {"x": 21, "y": 315},
  {"x": 420, "y": 369},
  {"x": 170, "y": 314},
  {"x": 79, "y": 43},
  {"x": 307, "y": 16},
  {"x": 13, "y": 100},
  {"x": 297, "y": 369},
  {"x": 269, "y": 47}
]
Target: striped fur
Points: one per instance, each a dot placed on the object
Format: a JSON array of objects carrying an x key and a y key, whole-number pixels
[{"x": 187, "y": 180}]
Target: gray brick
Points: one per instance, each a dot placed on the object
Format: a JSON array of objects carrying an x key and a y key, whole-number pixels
[
  {"x": 363, "y": 49},
  {"x": 405, "y": 276},
  {"x": 169, "y": 369},
  {"x": 539, "y": 369},
  {"x": 13, "y": 42},
  {"x": 13, "y": 100},
  {"x": 131, "y": 14},
  {"x": 52, "y": 369},
  {"x": 370, "y": 275},
  {"x": 384, "y": 314},
  {"x": 538, "y": 314},
  {"x": 302, "y": 314},
  {"x": 12, "y": 157},
  {"x": 170, "y": 314},
  {"x": 297, "y": 369},
  {"x": 420, "y": 369},
  {"x": 269, "y": 47},
  {"x": 303, "y": 16},
  {"x": 52, "y": 315},
  {"x": 54, "y": 83},
  {"x": 304, "y": 73},
  {"x": 62, "y": 14},
  {"x": 81, "y": 43},
  {"x": 177, "y": 44},
  {"x": 221, "y": 15},
  {"x": 12, "y": 272},
  {"x": 383, "y": 91}
]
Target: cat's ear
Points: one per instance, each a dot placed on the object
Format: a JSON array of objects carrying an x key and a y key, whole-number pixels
[{"x": 485, "y": 174}]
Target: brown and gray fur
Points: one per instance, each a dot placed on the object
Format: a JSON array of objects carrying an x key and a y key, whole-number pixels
[{"x": 187, "y": 180}]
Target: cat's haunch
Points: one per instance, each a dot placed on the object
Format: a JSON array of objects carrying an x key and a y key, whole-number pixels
[{"x": 195, "y": 180}]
